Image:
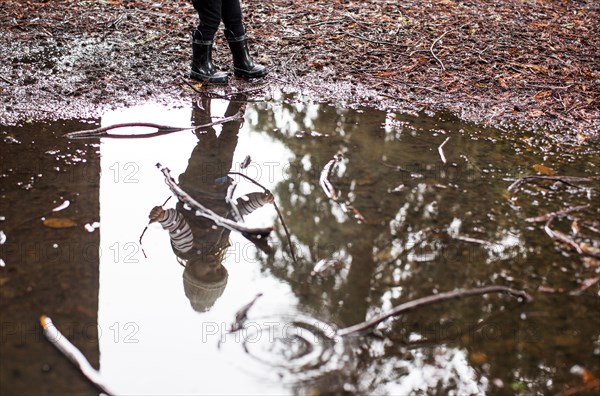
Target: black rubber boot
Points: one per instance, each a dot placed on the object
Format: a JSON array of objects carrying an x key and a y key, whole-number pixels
[
  {"x": 243, "y": 66},
  {"x": 202, "y": 66}
]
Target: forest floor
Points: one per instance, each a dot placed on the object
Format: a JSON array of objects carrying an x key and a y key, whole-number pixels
[{"x": 530, "y": 64}]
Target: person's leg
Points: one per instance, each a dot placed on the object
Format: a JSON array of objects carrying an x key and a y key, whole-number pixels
[
  {"x": 209, "y": 12},
  {"x": 231, "y": 13},
  {"x": 238, "y": 42}
]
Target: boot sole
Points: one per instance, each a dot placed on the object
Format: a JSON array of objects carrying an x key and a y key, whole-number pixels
[
  {"x": 199, "y": 77},
  {"x": 241, "y": 73}
]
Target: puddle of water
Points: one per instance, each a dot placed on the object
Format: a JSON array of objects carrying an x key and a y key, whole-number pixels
[{"x": 153, "y": 327}]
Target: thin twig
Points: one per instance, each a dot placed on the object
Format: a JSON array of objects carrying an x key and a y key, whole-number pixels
[
  {"x": 564, "y": 179},
  {"x": 472, "y": 240},
  {"x": 558, "y": 213},
  {"x": 431, "y": 300},
  {"x": 6, "y": 80},
  {"x": 145, "y": 228},
  {"x": 434, "y": 43},
  {"x": 441, "y": 149},
  {"x": 560, "y": 237},
  {"x": 232, "y": 205},
  {"x": 162, "y": 129},
  {"x": 586, "y": 285},
  {"x": 375, "y": 41}
]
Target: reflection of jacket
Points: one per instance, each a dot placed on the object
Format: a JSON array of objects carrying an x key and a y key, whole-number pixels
[{"x": 194, "y": 235}]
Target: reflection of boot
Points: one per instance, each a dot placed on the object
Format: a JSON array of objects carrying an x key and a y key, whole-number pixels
[
  {"x": 243, "y": 65},
  {"x": 202, "y": 66}
]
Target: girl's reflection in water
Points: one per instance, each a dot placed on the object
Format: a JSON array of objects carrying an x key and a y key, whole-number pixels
[{"x": 199, "y": 244}]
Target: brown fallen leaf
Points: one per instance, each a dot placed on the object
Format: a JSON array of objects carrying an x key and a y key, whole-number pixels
[
  {"x": 502, "y": 83},
  {"x": 59, "y": 222},
  {"x": 542, "y": 94},
  {"x": 591, "y": 262},
  {"x": 590, "y": 250},
  {"x": 544, "y": 170},
  {"x": 535, "y": 113},
  {"x": 575, "y": 228},
  {"x": 590, "y": 382},
  {"x": 478, "y": 357}
]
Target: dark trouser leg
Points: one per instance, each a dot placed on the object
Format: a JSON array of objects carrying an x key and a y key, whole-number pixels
[
  {"x": 231, "y": 12},
  {"x": 209, "y": 12}
]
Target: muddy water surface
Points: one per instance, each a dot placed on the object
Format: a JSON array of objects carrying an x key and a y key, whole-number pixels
[{"x": 156, "y": 321}]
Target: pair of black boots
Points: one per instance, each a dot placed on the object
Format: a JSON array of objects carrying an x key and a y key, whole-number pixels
[{"x": 204, "y": 70}]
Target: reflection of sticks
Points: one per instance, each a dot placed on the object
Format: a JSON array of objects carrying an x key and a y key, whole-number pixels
[
  {"x": 564, "y": 179},
  {"x": 441, "y": 149},
  {"x": 328, "y": 188},
  {"x": 242, "y": 314},
  {"x": 419, "y": 302},
  {"x": 203, "y": 211},
  {"x": 558, "y": 213},
  {"x": 161, "y": 129},
  {"x": 145, "y": 228},
  {"x": 472, "y": 240},
  {"x": 72, "y": 353},
  {"x": 102, "y": 132},
  {"x": 332, "y": 193},
  {"x": 232, "y": 205},
  {"x": 586, "y": 285},
  {"x": 560, "y": 237},
  {"x": 351, "y": 210},
  {"x": 285, "y": 229}
]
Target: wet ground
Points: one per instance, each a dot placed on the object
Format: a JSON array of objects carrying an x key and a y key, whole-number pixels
[
  {"x": 426, "y": 220},
  {"x": 499, "y": 63}
]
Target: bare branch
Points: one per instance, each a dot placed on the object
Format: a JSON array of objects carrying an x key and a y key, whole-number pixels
[
  {"x": 441, "y": 150},
  {"x": 428, "y": 301},
  {"x": 161, "y": 129}
]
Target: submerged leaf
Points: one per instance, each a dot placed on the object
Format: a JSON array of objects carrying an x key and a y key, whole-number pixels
[
  {"x": 544, "y": 170},
  {"x": 59, "y": 222}
]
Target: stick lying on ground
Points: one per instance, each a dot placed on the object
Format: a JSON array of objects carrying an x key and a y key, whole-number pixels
[
  {"x": 73, "y": 354},
  {"x": 564, "y": 179},
  {"x": 419, "y": 302},
  {"x": 203, "y": 211},
  {"x": 161, "y": 129}
]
